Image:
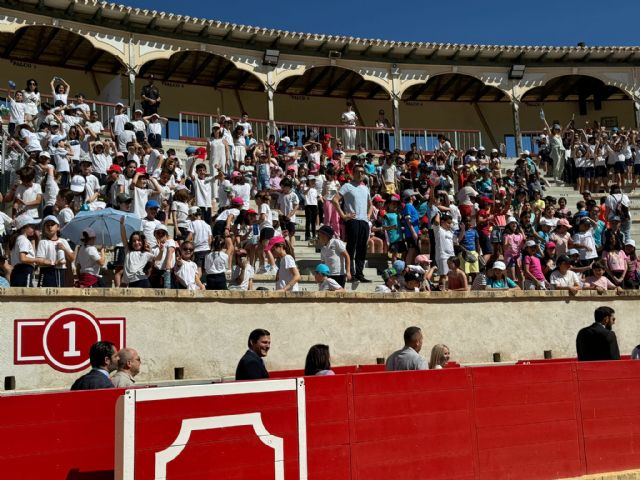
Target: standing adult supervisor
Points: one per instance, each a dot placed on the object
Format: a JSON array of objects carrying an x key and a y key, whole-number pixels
[
  {"x": 355, "y": 213},
  {"x": 150, "y": 98},
  {"x": 251, "y": 365},
  {"x": 598, "y": 341}
]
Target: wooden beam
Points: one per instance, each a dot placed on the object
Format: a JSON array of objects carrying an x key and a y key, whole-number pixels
[
  {"x": 200, "y": 68},
  {"x": 411, "y": 52},
  {"x": 179, "y": 28},
  {"x": 300, "y": 44},
  {"x": 182, "y": 57},
  {"x": 218, "y": 78},
  {"x": 355, "y": 88},
  {"x": 444, "y": 88},
  {"x": 463, "y": 88},
  {"x": 482, "y": 91},
  {"x": 44, "y": 43},
  {"x": 97, "y": 55},
  {"x": 14, "y": 41},
  {"x": 242, "y": 80},
  {"x": 568, "y": 90},
  {"x": 423, "y": 88},
  {"x": 341, "y": 78},
  {"x": 313, "y": 82},
  {"x": 374, "y": 92},
  {"x": 71, "y": 50},
  {"x": 275, "y": 43}
]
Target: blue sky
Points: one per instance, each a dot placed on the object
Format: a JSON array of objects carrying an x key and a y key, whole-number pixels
[{"x": 504, "y": 22}]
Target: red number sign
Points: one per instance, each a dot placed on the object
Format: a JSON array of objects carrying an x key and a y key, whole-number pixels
[
  {"x": 63, "y": 340},
  {"x": 231, "y": 430}
]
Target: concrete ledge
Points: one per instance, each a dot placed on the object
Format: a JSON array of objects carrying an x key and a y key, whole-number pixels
[{"x": 144, "y": 294}]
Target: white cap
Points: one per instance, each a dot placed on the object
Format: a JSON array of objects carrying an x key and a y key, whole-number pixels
[
  {"x": 161, "y": 228},
  {"x": 631, "y": 242},
  {"x": 499, "y": 265},
  {"x": 193, "y": 210},
  {"x": 45, "y": 154},
  {"x": 526, "y": 152},
  {"x": 530, "y": 243},
  {"x": 24, "y": 220},
  {"x": 511, "y": 220},
  {"x": 285, "y": 139},
  {"x": 51, "y": 218},
  {"x": 494, "y": 150},
  {"x": 78, "y": 183}
]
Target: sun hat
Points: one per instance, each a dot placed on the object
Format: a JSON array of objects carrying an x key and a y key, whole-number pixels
[
  {"x": 194, "y": 210},
  {"x": 114, "y": 168},
  {"x": 563, "y": 222},
  {"x": 412, "y": 275},
  {"x": 327, "y": 230},
  {"x": 78, "y": 183},
  {"x": 323, "y": 269},
  {"x": 550, "y": 245},
  {"x": 50, "y": 218},
  {"x": 388, "y": 273},
  {"x": 399, "y": 265},
  {"x": 24, "y": 220},
  {"x": 277, "y": 240},
  {"x": 123, "y": 198},
  {"x": 573, "y": 252},
  {"x": 631, "y": 242}
]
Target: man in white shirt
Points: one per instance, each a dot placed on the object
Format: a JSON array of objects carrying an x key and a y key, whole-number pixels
[
  {"x": 118, "y": 122},
  {"x": 244, "y": 123}
]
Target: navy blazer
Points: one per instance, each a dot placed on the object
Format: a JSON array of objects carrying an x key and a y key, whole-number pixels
[
  {"x": 92, "y": 381},
  {"x": 251, "y": 367}
]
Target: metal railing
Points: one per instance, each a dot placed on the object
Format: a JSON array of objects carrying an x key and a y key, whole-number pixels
[
  {"x": 105, "y": 110},
  {"x": 198, "y": 126}
]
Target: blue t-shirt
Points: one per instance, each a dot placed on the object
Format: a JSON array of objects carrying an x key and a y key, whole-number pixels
[
  {"x": 470, "y": 238},
  {"x": 410, "y": 216},
  {"x": 370, "y": 168},
  {"x": 506, "y": 282},
  {"x": 391, "y": 220},
  {"x": 598, "y": 230},
  {"x": 356, "y": 200}
]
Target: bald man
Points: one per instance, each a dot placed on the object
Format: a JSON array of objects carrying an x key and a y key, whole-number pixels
[{"x": 128, "y": 367}]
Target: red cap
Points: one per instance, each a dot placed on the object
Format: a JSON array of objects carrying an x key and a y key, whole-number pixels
[
  {"x": 273, "y": 242},
  {"x": 377, "y": 198},
  {"x": 237, "y": 201},
  {"x": 251, "y": 211},
  {"x": 141, "y": 170},
  {"x": 115, "y": 168},
  {"x": 327, "y": 136},
  {"x": 201, "y": 153}
]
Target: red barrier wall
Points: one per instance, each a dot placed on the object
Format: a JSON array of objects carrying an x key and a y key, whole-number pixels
[{"x": 539, "y": 421}]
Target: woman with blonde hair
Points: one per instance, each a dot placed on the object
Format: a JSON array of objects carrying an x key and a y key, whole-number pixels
[{"x": 439, "y": 356}]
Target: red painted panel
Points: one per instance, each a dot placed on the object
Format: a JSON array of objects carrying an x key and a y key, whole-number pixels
[
  {"x": 370, "y": 368},
  {"x": 414, "y": 381},
  {"x": 327, "y": 410},
  {"x": 523, "y": 374},
  {"x": 58, "y": 435},
  {"x": 373, "y": 406},
  {"x": 508, "y": 394},
  {"x": 329, "y": 463},
  {"x": 515, "y": 435},
  {"x": 588, "y": 371}
]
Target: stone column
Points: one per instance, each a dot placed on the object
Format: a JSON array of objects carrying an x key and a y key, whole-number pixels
[{"x": 515, "y": 105}]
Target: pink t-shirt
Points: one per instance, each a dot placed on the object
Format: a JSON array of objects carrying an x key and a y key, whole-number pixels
[
  {"x": 602, "y": 282},
  {"x": 512, "y": 245},
  {"x": 561, "y": 241},
  {"x": 535, "y": 267},
  {"x": 616, "y": 261}
]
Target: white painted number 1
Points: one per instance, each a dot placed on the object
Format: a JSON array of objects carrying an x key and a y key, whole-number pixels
[{"x": 72, "y": 352}]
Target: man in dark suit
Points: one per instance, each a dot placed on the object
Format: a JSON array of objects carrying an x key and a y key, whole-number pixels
[
  {"x": 598, "y": 341},
  {"x": 103, "y": 357},
  {"x": 251, "y": 366}
]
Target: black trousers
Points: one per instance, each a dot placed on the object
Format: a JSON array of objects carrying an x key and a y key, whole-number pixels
[
  {"x": 357, "y": 233},
  {"x": 311, "y": 215}
]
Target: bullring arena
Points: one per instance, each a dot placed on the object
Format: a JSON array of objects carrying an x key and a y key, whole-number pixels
[{"x": 372, "y": 186}]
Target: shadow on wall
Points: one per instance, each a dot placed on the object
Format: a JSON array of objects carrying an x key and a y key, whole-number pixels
[{"x": 75, "y": 474}]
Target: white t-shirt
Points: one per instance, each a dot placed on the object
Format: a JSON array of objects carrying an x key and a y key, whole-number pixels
[
  {"x": 284, "y": 274},
  {"x": 61, "y": 159},
  {"x": 92, "y": 185},
  {"x": 287, "y": 202},
  {"x": 51, "y": 190},
  {"x": 47, "y": 249},
  {"x": 29, "y": 194},
  {"x": 243, "y": 191},
  {"x": 134, "y": 264},
  {"x": 148, "y": 227},
  {"x": 186, "y": 274},
  {"x": 88, "y": 260},
  {"x": 311, "y": 197},
  {"x": 202, "y": 190},
  {"x": 23, "y": 245},
  {"x": 95, "y": 127},
  {"x": 201, "y": 233},
  {"x": 569, "y": 279},
  {"x": 464, "y": 195},
  {"x": 586, "y": 239},
  {"x": 613, "y": 201},
  {"x": 246, "y": 126},
  {"x": 32, "y": 140},
  {"x": 216, "y": 262},
  {"x": 65, "y": 216},
  {"x": 182, "y": 213},
  {"x": 266, "y": 210},
  {"x": 350, "y": 118},
  {"x": 101, "y": 162},
  {"x": 118, "y": 122},
  {"x": 16, "y": 112},
  {"x": 331, "y": 255},
  {"x": 249, "y": 273},
  {"x": 153, "y": 161},
  {"x": 140, "y": 198},
  {"x": 444, "y": 243},
  {"x": 329, "y": 284},
  {"x": 125, "y": 137},
  {"x": 222, "y": 217},
  {"x": 162, "y": 263}
]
